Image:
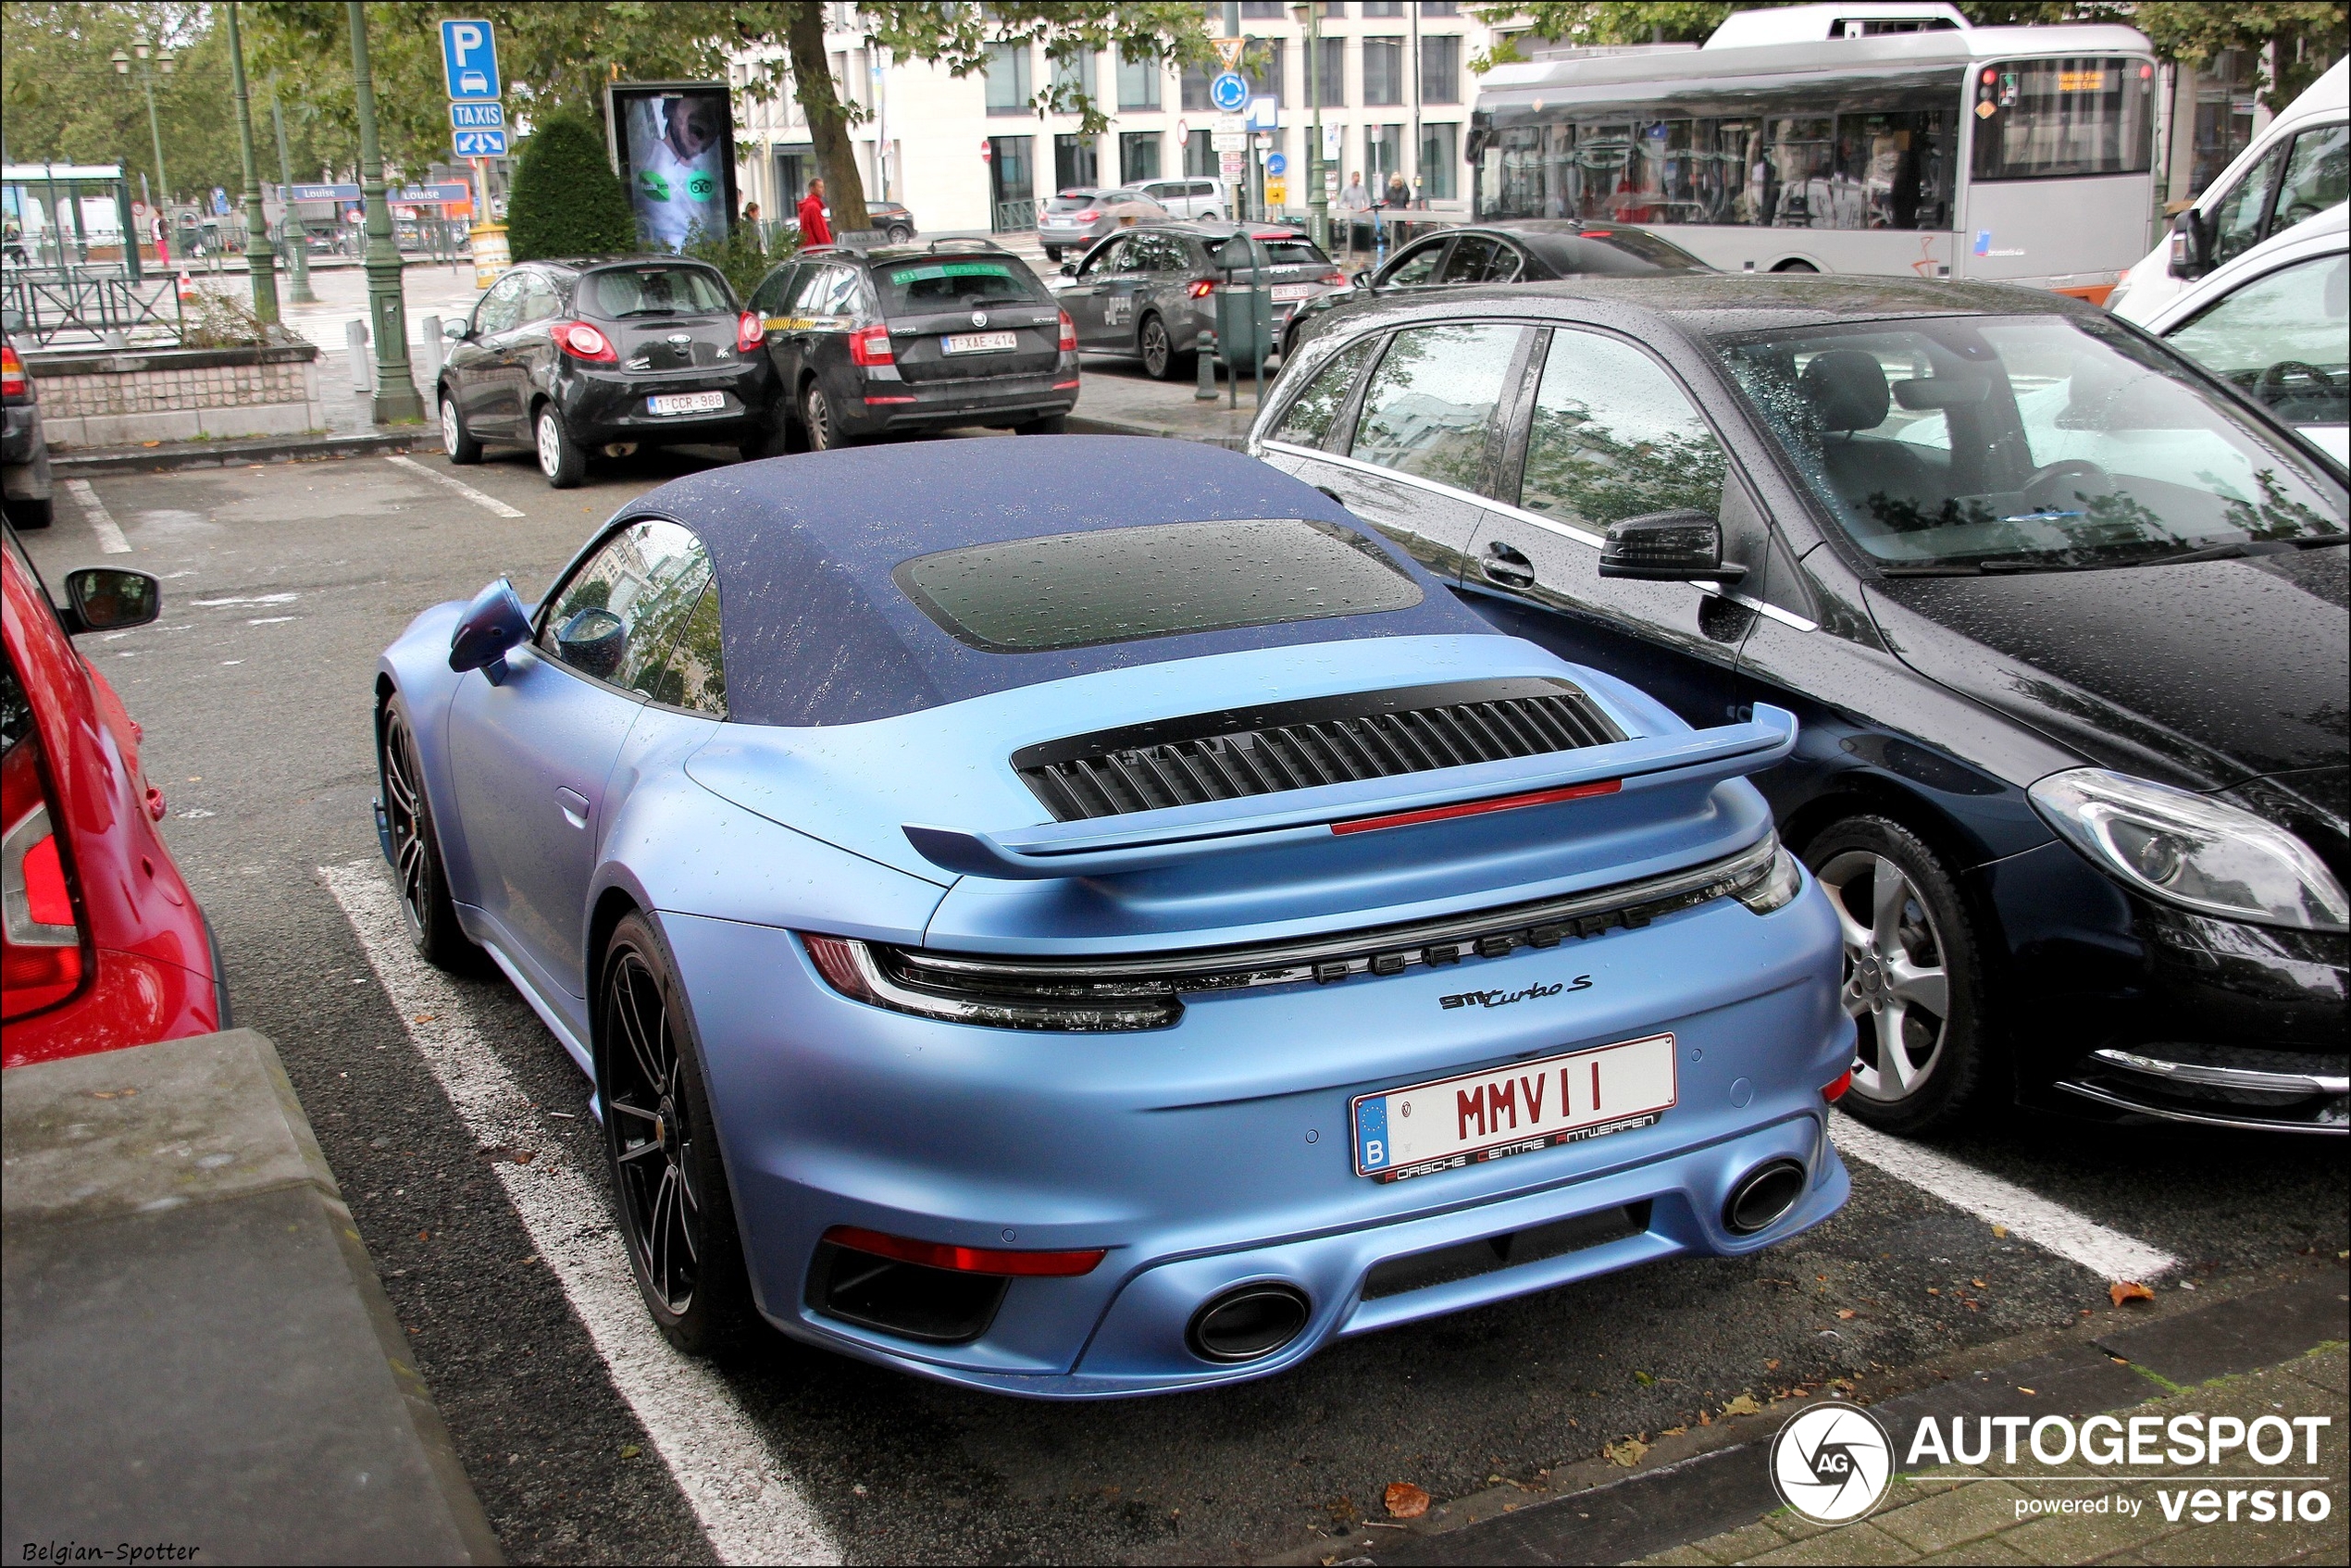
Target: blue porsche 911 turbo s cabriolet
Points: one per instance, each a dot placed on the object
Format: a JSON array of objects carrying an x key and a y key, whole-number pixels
[{"x": 1085, "y": 917}]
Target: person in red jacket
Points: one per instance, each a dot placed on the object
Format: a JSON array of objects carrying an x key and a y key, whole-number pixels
[{"x": 814, "y": 229}]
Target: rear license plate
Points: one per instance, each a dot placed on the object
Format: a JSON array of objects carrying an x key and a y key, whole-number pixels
[
  {"x": 981, "y": 342},
  {"x": 686, "y": 403},
  {"x": 1515, "y": 1110},
  {"x": 1288, "y": 293}
]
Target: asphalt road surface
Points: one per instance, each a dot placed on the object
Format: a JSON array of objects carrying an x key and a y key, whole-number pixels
[{"x": 458, "y": 1131}]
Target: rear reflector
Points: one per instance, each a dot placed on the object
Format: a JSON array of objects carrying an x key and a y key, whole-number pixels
[
  {"x": 1479, "y": 808},
  {"x": 966, "y": 1260},
  {"x": 875, "y": 400},
  {"x": 1834, "y": 1090},
  {"x": 1063, "y": 386}
]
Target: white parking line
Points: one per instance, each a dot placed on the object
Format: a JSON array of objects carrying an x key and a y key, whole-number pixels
[
  {"x": 2051, "y": 1226},
  {"x": 102, "y": 521},
  {"x": 487, "y": 502},
  {"x": 746, "y": 1501}
]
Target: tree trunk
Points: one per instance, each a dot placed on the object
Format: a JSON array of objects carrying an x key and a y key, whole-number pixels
[{"x": 812, "y": 75}]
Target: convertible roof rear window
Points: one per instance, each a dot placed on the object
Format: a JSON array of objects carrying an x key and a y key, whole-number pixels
[{"x": 1121, "y": 585}]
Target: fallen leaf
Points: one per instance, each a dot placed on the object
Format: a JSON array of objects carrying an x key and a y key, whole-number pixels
[
  {"x": 1979, "y": 1285},
  {"x": 1405, "y": 1501},
  {"x": 1626, "y": 1453},
  {"x": 630, "y": 1450},
  {"x": 1743, "y": 1405},
  {"x": 1643, "y": 1379},
  {"x": 1771, "y": 1365},
  {"x": 1704, "y": 1419},
  {"x": 2001, "y": 1231},
  {"x": 1674, "y": 1431},
  {"x": 525, "y": 1157},
  {"x": 423, "y": 1236},
  {"x": 1932, "y": 1291},
  {"x": 1822, "y": 1278},
  {"x": 1844, "y": 1313},
  {"x": 2023, "y": 1390},
  {"x": 2123, "y": 1291}
]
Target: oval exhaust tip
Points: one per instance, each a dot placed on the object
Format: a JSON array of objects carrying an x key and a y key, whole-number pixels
[
  {"x": 1763, "y": 1196},
  {"x": 1248, "y": 1323}
]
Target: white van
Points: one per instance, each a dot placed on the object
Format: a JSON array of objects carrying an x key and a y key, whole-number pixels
[
  {"x": 2297, "y": 168},
  {"x": 2277, "y": 321}
]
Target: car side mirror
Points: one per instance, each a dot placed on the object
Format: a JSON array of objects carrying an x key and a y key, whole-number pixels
[
  {"x": 456, "y": 329},
  {"x": 1680, "y": 546},
  {"x": 109, "y": 599},
  {"x": 1069, "y": 269},
  {"x": 592, "y": 642},
  {"x": 492, "y": 624},
  {"x": 1360, "y": 282},
  {"x": 2191, "y": 245}
]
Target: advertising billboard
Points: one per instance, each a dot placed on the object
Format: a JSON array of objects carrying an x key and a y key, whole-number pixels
[{"x": 675, "y": 144}]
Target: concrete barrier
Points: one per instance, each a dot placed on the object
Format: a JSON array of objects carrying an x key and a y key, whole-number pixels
[{"x": 197, "y": 1352}]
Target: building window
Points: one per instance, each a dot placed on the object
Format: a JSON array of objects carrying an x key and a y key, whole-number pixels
[
  {"x": 1138, "y": 83},
  {"x": 1440, "y": 8},
  {"x": 1076, "y": 165},
  {"x": 1373, "y": 8},
  {"x": 1383, "y": 71},
  {"x": 1138, "y": 157},
  {"x": 1440, "y": 70},
  {"x": 1200, "y": 157},
  {"x": 1008, "y": 89},
  {"x": 1329, "y": 87},
  {"x": 1263, "y": 10},
  {"x": 1262, "y": 63},
  {"x": 1192, "y": 92},
  {"x": 1440, "y": 150},
  {"x": 1073, "y": 81},
  {"x": 1010, "y": 183}
]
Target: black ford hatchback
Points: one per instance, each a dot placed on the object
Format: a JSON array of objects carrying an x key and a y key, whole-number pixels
[
  {"x": 2064, "y": 619},
  {"x": 900, "y": 340},
  {"x": 575, "y": 358}
]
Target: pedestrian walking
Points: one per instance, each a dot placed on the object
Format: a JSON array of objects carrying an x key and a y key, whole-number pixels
[
  {"x": 814, "y": 229},
  {"x": 1356, "y": 202}
]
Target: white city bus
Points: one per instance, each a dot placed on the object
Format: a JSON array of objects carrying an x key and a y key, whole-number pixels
[{"x": 1854, "y": 138}]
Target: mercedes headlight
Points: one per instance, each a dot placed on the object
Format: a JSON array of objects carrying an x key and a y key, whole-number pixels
[{"x": 2192, "y": 851}]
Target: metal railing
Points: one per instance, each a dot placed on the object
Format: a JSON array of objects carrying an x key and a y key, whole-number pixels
[
  {"x": 1013, "y": 217},
  {"x": 49, "y": 305}
]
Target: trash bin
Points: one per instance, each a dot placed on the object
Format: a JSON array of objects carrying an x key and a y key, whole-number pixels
[{"x": 1244, "y": 309}]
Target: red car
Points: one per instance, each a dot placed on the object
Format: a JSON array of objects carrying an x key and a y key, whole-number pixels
[{"x": 102, "y": 945}]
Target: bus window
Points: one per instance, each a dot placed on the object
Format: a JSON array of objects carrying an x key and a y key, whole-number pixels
[{"x": 2043, "y": 118}]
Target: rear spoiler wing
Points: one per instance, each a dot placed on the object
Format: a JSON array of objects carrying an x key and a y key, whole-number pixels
[{"x": 1150, "y": 840}]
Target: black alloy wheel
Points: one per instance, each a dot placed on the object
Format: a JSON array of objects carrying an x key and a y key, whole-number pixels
[
  {"x": 669, "y": 1182},
  {"x": 423, "y": 881},
  {"x": 1159, "y": 359},
  {"x": 1914, "y": 980},
  {"x": 1043, "y": 425}
]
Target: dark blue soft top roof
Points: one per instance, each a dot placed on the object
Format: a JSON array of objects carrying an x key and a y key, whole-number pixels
[{"x": 815, "y": 631}]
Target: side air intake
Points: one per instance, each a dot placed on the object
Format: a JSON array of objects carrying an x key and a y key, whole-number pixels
[{"x": 1264, "y": 750}]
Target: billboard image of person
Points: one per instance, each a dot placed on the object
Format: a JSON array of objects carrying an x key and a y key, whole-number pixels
[{"x": 677, "y": 155}]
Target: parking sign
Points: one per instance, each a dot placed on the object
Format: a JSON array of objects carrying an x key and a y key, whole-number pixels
[{"x": 469, "y": 59}]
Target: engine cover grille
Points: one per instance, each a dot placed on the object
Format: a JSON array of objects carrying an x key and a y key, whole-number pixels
[{"x": 1262, "y": 751}]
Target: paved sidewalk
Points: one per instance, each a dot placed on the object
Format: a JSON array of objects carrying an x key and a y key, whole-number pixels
[{"x": 2079, "y": 1512}]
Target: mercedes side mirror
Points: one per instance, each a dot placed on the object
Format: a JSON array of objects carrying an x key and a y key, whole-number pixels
[
  {"x": 456, "y": 329},
  {"x": 1679, "y": 546},
  {"x": 109, "y": 599},
  {"x": 2191, "y": 246},
  {"x": 494, "y": 624}
]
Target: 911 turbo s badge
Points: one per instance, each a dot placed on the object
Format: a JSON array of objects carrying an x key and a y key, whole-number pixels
[{"x": 1504, "y": 999}]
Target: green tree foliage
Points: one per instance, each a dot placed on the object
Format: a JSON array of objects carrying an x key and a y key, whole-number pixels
[
  {"x": 2311, "y": 34},
  {"x": 565, "y": 200},
  {"x": 742, "y": 255},
  {"x": 61, "y": 99}
]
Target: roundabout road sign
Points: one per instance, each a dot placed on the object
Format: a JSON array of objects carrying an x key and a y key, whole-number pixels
[{"x": 1228, "y": 92}]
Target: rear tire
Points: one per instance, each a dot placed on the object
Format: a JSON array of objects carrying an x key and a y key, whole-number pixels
[
  {"x": 419, "y": 876},
  {"x": 560, "y": 458},
  {"x": 1161, "y": 361},
  {"x": 670, "y": 1195},
  {"x": 1043, "y": 425},
  {"x": 457, "y": 442},
  {"x": 1054, "y": 254},
  {"x": 30, "y": 513},
  {"x": 1914, "y": 979},
  {"x": 1795, "y": 266},
  {"x": 817, "y": 418},
  {"x": 900, "y": 233}
]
